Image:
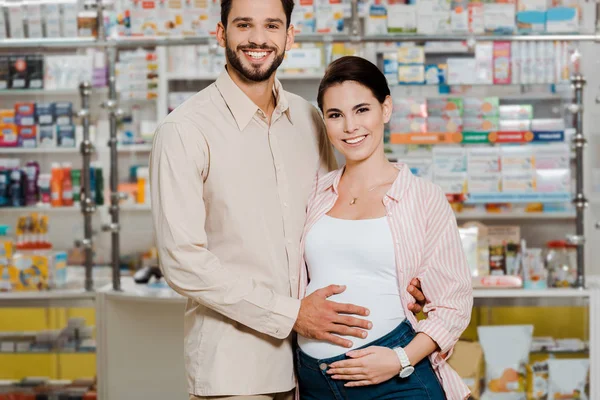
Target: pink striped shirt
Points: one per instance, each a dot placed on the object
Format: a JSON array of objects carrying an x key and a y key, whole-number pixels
[{"x": 428, "y": 247}]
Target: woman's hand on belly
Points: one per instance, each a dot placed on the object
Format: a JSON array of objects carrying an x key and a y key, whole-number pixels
[{"x": 370, "y": 366}]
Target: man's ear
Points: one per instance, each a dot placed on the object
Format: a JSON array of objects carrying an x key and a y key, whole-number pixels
[
  {"x": 291, "y": 34},
  {"x": 221, "y": 36}
]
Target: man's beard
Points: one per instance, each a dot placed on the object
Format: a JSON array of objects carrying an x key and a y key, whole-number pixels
[{"x": 253, "y": 74}]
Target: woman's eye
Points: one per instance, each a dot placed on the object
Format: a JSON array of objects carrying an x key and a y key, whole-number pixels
[
  {"x": 362, "y": 110},
  {"x": 334, "y": 115}
]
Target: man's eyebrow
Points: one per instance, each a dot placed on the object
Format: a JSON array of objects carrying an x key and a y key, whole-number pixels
[
  {"x": 242, "y": 19},
  {"x": 272, "y": 20}
]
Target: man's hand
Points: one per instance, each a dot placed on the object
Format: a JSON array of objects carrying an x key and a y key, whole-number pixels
[
  {"x": 322, "y": 319},
  {"x": 414, "y": 288}
]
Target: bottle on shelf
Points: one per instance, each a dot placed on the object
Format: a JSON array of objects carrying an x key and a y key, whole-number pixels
[
  {"x": 56, "y": 186},
  {"x": 44, "y": 185},
  {"x": 32, "y": 172},
  {"x": 67, "y": 185},
  {"x": 76, "y": 182}
]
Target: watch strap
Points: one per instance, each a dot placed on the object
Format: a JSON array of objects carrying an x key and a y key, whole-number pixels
[{"x": 404, "y": 361}]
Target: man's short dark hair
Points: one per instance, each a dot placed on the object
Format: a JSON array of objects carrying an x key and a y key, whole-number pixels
[{"x": 288, "y": 7}]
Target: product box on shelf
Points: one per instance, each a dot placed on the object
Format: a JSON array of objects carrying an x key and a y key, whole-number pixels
[
  {"x": 52, "y": 19},
  {"x": 433, "y": 17},
  {"x": 484, "y": 160},
  {"x": 484, "y": 183},
  {"x": 553, "y": 180},
  {"x": 502, "y": 63},
  {"x": 405, "y": 106},
  {"x": 44, "y": 113},
  {"x": 5, "y": 72},
  {"x": 25, "y": 114},
  {"x": 65, "y": 136},
  {"x": 461, "y": 71},
  {"x": 411, "y": 55},
  {"x": 449, "y": 159},
  {"x": 450, "y": 107},
  {"x": 63, "y": 112},
  {"x": 480, "y": 124},
  {"x": 35, "y": 71},
  {"x": 481, "y": 107},
  {"x": 518, "y": 182},
  {"x": 16, "y": 17},
  {"x": 19, "y": 73},
  {"x": 37, "y": 270},
  {"x": 408, "y": 124},
  {"x": 467, "y": 17},
  {"x": 144, "y": 21},
  {"x": 34, "y": 19},
  {"x": 402, "y": 17},
  {"x": 484, "y": 59},
  {"x": 552, "y": 156},
  {"x": 523, "y": 112},
  {"x": 390, "y": 68},
  {"x": 467, "y": 361},
  {"x": 436, "y": 74},
  {"x": 304, "y": 19},
  {"x": 47, "y": 136},
  {"x": 330, "y": 17},
  {"x": 27, "y": 136},
  {"x": 196, "y": 17},
  {"x": 562, "y": 20},
  {"x": 451, "y": 182},
  {"x": 504, "y": 244},
  {"x": 499, "y": 17},
  {"x": 514, "y": 125},
  {"x": 8, "y": 135},
  {"x": 531, "y": 15},
  {"x": 444, "y": 124},
  {"x": 70, "y": 9},
  {"x": 7, "y": 116},
  {"x": 517, "y": 159},
  {"x": 411, "y": 74}
]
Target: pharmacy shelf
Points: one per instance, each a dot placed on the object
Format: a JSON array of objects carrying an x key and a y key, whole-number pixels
[
  {"x": 309, "y": 76},
  {"x": 56, "y": 298},
  {"x": 407, "y": 37},
  {"x": 48, "y": 92},
  {"x": 50, "y": 43},
  {"x": 52, "y": 353},
  {"x": 38, "y": 150},
  {"x": 73, "y": 209},
  {"x": 496, "y": 297},
  {"x": 134, "y": 148},
  {"x": 519, "y": 215},
  {"x": 481, "y": 198},
  {"x": 135, "y": 207}
]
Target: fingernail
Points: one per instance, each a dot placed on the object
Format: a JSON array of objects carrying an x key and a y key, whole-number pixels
[
  {"x": 370, "y": 325},
  {"x": 364, "y": 335},
  {"x": 367, "y": 312},
  {"x": 349, "y": 344}
]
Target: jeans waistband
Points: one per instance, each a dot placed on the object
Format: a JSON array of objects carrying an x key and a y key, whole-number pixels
[{"x": 405, "y": 328}]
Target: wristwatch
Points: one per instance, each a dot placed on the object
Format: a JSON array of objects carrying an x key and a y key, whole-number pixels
[{"x": 407, "y": 369}]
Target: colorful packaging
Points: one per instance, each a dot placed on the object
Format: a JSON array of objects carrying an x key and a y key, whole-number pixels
[
  {"x": 27, "y": 136},
  {"x": 562, "y": 20},
  {"x": 484, "y": 160},
  {"x": 18, "y": 72},
  {"x": 484, "y": 183},
  {"x": 47, "y": 136},
  {"x": 65, "y": 136},
  {"x": 484, "y": 58},
  {"x": 408, "y": 124},
  {"x": 450, "y": 107},
  {"x": 143, "y": 18},
  {"x": 553, "y": 180},
  {"x": 451, "y": 183},
  {"x": 63, "y": 112},
  {"x": 7, "y": 116},
  {"x": 502, "y": 63},
  {"x": 390, "y": 68},
  {"x": 531, "y": 15},
  {"x": 411, "y": 74},
  {"x": 481, "y": 107},
  {"x": 435, "y": 74},
  {"x": 517, "y": 159},
  {"x": 449, "y": 159},
  {"x": 552, "y": 156},
  {"x": 402, "y": 18},
  {"x": 8, "y": 135},
  {"x": 44, "y": 113},
  {"x": 460, "y": 71},
  {"x": 499, "y": 17},
  {"x": 330, "y": 18},
  {"x": 411, "y": 55},
  {"x": 568, "y": 378},
  {"x": 404, "y": 107},
  {"x": 478, "y": 124},
  {"x": 38, "y": 270},
  {"x": 513, "y": 182},
  {"x": 467, "y": 361},
  {"x": 514, "y": 125},
  {"x": 304, "y": 20},
  {"x": 521, "y": 112},
  {"x": 535, "y": 276},
  {"x": 444, "y": 124},
  {"x": 170, "y": 17},
  {"x": 506, "y": 353}
]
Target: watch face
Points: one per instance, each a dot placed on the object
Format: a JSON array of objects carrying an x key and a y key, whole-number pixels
[{"x": 406, "y": 372}]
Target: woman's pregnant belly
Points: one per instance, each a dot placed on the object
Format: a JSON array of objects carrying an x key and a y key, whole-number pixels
[{"x": 386, "y": 313}]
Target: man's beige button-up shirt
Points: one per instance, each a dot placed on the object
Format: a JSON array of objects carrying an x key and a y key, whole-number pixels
[{"x": 229, "y": 194}]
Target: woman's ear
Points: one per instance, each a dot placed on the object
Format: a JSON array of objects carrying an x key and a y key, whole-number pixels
[{"x": 388, "y": 107}]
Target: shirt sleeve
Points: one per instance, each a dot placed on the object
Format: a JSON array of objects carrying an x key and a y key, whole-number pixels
[
  {"x": 178, "y": 164},
  {"x": 446, "y": 280}
]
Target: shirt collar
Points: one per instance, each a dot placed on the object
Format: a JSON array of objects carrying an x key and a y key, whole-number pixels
[
  {"x": 399, "y": 187},
  {"x": 242, "y": 108}
]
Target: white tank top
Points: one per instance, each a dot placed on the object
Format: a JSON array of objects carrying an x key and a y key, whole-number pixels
[{"x": 360, "y": 255}]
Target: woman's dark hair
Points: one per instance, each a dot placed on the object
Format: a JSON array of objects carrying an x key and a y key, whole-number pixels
[
  {"x": 357, "y": 69},
  {"x": 288, "y": 7}
]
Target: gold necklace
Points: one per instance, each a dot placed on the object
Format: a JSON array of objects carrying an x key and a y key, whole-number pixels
[{"x": 354, "y": 199}]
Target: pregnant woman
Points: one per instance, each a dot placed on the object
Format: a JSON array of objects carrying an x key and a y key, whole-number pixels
[{"x": 372, "y": 227}]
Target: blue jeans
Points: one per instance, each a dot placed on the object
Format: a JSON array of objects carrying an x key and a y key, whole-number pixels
[{"x": 316, "y": 384}]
